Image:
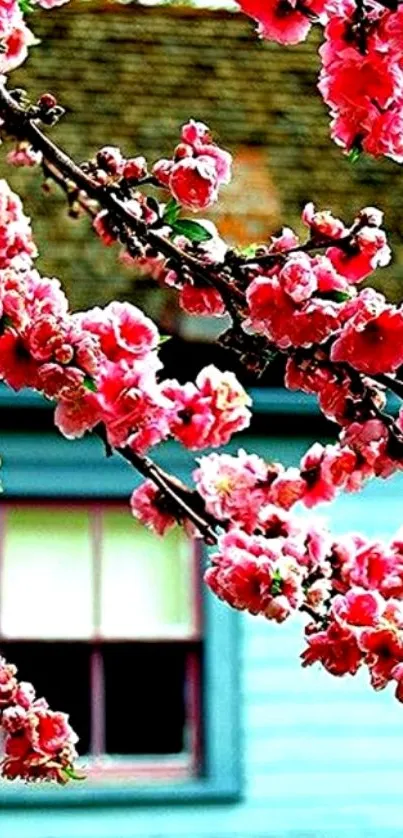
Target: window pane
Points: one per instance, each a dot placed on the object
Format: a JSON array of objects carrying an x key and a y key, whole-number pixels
[
  {"x": 60, "y": 673},
  {"x": 148, "y": 681},
  {"x": 46, "y": 573},
  {"x": 146, "y": 581}
]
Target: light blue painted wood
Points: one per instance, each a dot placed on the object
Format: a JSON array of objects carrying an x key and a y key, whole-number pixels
[
  {"x": 270, "y": 401},
  {"x": 321, "y": 757}
]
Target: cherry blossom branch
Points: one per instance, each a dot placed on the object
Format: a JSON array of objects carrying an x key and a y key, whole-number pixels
[
  {"x": 19, "y": 123},
  {"x": 187, "y": 502}
]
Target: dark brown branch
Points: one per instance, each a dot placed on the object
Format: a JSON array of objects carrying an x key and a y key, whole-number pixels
[
  {"x": 390, "y": 383},
  {"x": 58, "y": 163},
  {"x": 187, "y": 503}
]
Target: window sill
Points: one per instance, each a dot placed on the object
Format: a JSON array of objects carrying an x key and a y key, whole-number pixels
[{"x": 221, "y": 790}]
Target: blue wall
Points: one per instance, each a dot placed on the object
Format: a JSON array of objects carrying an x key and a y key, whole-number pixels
[{"x": 322, "y": 757}]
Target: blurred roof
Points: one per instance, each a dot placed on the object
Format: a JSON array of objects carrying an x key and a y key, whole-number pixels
[{"x": 130, "y": 75}]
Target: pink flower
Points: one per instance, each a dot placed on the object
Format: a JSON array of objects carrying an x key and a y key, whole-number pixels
[
  {"x": 242, "y": 572},
  {"x": 287, "y": 489},
  {"x": 25, "y": 695},
  {"x": 124, "y": 332},
  {"x": 397, "y": 675},
  {"x": 50, "y": 4},
  {"x": 322, "y": 224},
  {"x": 369, "y": 440},
  {"x": 233, "y": 488},
  {"x": 193, "y": 182},
  {"x": 358, "y": 607},
  {"x": 383, "y": 648},
  {"x": 198, "y": 169},
  {"x": 336, "y": 649},
  {"x": 51, "y": 731},
  {"x": 149, "y": 506},
  {"x": 16, "y": 42},
  {"x": 135, "y": 168},
  {"x": 297, "y": 278},
  {"x": 38, "y": 743},
  {"x": 24, "y": 155},
  {"x": 74, "y": 417},
  {"x": 287, "y": 240},
  {"x": 162, "y": 171},
  {"x": 325, "y": 470},
  {"x": 16, "y": 245},
  {"x": 208, "y": 413},
  {"x": 273, "y": 313},
  {"x": 206, "y": 301},
  {"x": 375, "y": 567},
  {"x": 8, "y": 683},
  {"x": 369, "y": 249},
  {"x": 278, "y": 20},
  {"x": 17, "y": 368},
  {"x": 130, "y": 401},
  {"x": 198, "y": 138},
  {"x": 374, "y": 346}
]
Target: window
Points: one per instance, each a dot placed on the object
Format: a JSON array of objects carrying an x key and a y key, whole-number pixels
[
  {"x": 77, "y": 502},
  {"x": 105, "y": 619}
]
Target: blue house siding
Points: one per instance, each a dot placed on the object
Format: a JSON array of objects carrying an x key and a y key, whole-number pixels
[{"x": 321, "y": 757}]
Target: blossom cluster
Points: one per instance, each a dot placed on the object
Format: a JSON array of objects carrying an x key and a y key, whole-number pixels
[
  {"x": 302, "y": 299},
  {"x": 191, "y": 179},
  {"x": 352, "y": 587},
  {"x": 361, "y": 76},
  {"x": 273, "y": 562},
  {"x": 365, "y": 91},
  {"x": 39, "y": 742},
  {"x": 364, "y": 625},
  {"x": 102, "y": 365},
  {"x": 197, "y": 170}
]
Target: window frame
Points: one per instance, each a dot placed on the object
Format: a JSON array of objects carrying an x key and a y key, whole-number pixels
[{"x": 79, "y": 470}]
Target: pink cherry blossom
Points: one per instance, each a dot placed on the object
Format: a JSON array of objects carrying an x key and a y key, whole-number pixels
[
  {"x": 205, "y": 301},
  {"x": 297, "y": 278},
  {"x": 193, "y": 182},
  {"x": 149, "y": 507},
  {"x": 374, "y": 346},
  {"x": 207, "y": 413},
  {"x": 336, "y": 649},
  {"x": 233, "y": 488},
  {"x": 278, "y": 21},
  {"x": 124, "y": 332}
]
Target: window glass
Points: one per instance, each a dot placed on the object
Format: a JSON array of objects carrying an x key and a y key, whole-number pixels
[
  {"x": 145, "y": 698},
  {"x": 46, "y": 573},
  {"x": 146, "y": 581}
]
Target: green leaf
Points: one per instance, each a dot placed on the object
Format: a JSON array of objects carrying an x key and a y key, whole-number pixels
[
  {"x": 171, "y": 212},
  {"x": 89, "y": 384},
  {"x": 25, "y": 6},
  {"x": 191, "y": 229},
  {"x": 73, "y": 774},
  {"x": 341, "y": 296},
  {"x": 249, "y": 251},
  {"x": 164, "y": 339},
  {"x": 354, "y": 154},
  {"x": 334, "y": 296},
  {"x": 277, "y": 584}
]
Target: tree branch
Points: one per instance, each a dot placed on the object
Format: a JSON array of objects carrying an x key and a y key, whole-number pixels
[
  {"x": 18, "y": 122},
  {"x": 187, "y": 502}
]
